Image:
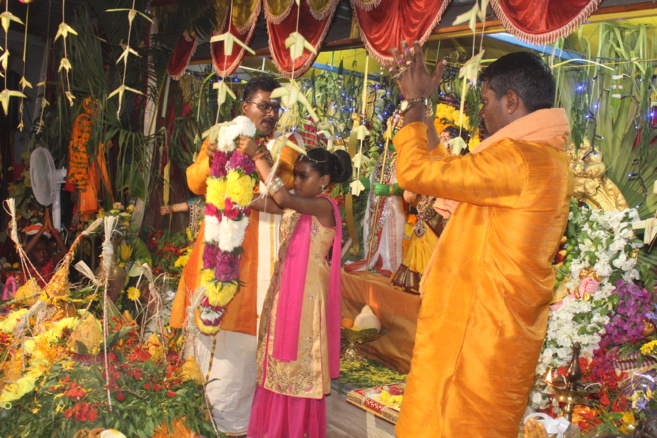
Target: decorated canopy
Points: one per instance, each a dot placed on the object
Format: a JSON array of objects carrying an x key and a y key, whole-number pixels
[{"x": 383, "y": 24}]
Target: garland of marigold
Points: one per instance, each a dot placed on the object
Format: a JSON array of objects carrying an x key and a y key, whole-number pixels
[
  {"x": 78, "y": 158},
  {"x": 230, "y": 191}
]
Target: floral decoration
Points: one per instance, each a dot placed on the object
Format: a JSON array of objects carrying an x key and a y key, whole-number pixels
[
  {"x": 230, "y": 191},
  {"x": 78, "y": 163},
  {"x": 138, "y": 388},
  {"x": 599, "y": 245}
]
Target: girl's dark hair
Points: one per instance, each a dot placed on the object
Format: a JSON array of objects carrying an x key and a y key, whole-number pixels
[{"x": 337, "y": 164}]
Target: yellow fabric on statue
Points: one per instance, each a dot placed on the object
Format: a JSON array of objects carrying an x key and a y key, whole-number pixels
[
  {"x": 420, "y": 250},
  {"x": 487, "y": 287}
]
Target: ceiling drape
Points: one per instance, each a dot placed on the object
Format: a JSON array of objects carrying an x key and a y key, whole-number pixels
[
  {"x": 542, "y": 21},
  {"x": 311, "y": 19},
  {"x": 383, "y": 24},
  {"x": 244, "y": 16}
]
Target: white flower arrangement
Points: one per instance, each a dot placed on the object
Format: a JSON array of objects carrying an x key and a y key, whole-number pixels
[
  {"x": 231, "y": 233},
  {"x": 240, "y": 125},
  {"x": 604, "y": 251}
]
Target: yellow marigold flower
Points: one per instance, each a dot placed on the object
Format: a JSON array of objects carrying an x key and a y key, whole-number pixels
[
  {"x": 628, "y": 420},
  {"x": 207, "y": 275},
  {"x": 220, "y": 294},
  {"x": 239, "y": 188},
  {"x": 216, "y": 193},
  {"x": 648, "y": 348},
  {"x": 181, "y": 261},
  {"x": 130, "y": 208},
  {"x": 474, "y": 141},
  {"x": 188, "y": 232},
  {"x": 133, "y": 293}
]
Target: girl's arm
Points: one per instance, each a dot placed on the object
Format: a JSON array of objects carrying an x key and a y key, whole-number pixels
[
  {"x": 316, "y": 206},
  {"x": 266, "y": 204}
]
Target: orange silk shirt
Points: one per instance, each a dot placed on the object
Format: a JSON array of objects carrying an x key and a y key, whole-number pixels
[
  {"x": 241, "y": 313},
  {"x": 487, "y": 287}
]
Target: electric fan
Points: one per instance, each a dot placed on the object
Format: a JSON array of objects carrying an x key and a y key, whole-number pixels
[{"x": 45, "y": 182}]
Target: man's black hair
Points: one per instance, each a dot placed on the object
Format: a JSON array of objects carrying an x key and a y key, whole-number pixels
[
  {"x": 527, "y": 75},
  {"x": 261, "y": 83}
]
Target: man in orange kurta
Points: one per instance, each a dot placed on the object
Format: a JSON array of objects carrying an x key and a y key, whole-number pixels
[
  {"x": 229, "y": 358},
  {"x": 488, "y": 285}
]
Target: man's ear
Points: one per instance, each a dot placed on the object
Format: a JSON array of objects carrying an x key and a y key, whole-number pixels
[
  {"x": 243, "y": 106},
  {"x": 512, "y": 101}
]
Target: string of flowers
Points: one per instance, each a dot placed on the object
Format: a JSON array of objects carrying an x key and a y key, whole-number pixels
[
  {"x": 230, "y": 192},
  {"x": 601, "y": 245},
  {"x": 78, "y": 161}
]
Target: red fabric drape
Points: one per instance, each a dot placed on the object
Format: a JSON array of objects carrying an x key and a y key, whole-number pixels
[
  {"x": 227, "y": 65},
  {"x": 384, "y": 24},
  {"x": 182, "y": 54},
  {"x": 312, "y": 30},
  {"x": 542, "y": 21}
]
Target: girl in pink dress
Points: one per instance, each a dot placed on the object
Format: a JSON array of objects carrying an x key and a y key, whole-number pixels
[{"x": 299, "y": 338}]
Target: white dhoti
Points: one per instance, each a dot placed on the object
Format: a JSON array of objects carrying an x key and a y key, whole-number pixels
[{"x": 232, "y": 378}]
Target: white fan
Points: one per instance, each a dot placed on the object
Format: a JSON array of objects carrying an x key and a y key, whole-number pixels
[{"x": 45, "y": 182}]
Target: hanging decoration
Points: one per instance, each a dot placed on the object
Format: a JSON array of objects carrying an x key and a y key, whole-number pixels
[
  {"x": 543, "y": 21},
  {"x": 65, "y": 63},
  {"x": 238, "y": 29},
  {"x": 24, "y": 83},
  {"x": 228, "y": 205},
  {"x": 297, "y": 33},
  {"x": 132, "y": 13},
  {"x": 411, "y": 20},
  {"x": 6, "y": 18},
  {"x": 182, "y": 54}
]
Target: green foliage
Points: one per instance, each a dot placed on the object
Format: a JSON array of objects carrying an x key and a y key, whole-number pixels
[
  {"x": 610, "y": 107},
  {"x": 367, "y": 374}
]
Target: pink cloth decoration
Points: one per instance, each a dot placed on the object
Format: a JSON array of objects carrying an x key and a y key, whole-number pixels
[
  {"x": 293, "y": 280},
  {"x": 11, "y": 281}
]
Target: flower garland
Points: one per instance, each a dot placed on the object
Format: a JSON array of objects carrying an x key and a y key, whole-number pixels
[
  {"x": 230, "y": 192},
  {"x": 598, "y": 253},
  {"x": 78, "y": 160}
]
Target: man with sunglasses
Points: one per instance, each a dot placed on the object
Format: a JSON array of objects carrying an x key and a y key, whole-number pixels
[{"x": 232, "y": 351}]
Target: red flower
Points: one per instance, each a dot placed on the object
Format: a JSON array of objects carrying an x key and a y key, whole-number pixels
[
  {"x": 171, "y": 394},
  {"x": 147, "y": 385},
  {"x": 82, "y": 412},
  {"x": 157, "y": 387},
  {"x": 120, "y": 396},
  {"x": 75, "y": 392}
]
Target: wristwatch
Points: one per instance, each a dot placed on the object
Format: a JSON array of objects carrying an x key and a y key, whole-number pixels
[{"x": 406, "y": 104}]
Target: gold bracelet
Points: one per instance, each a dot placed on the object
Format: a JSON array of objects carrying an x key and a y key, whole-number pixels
[{"x": 275, "y": 185}]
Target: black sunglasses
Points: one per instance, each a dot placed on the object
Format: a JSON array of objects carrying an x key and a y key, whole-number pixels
[{"x": 266, "y": 106}]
